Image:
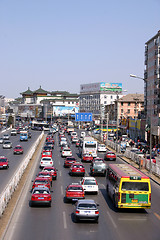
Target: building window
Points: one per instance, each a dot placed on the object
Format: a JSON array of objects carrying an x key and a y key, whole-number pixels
[
  {"x": 121, "y": 103},
  {"x": 68, "y": 102},
  {"x": 121, "y": 110},
  {"x": 72, "y": 102},
  {"x": 105, "y": 102},
  {"x": 111, "y": 97},
  {"x": 128, "y": 110},
  {"x": 129, "y": 104}
]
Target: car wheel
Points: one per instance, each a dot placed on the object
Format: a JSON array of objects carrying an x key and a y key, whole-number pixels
[
  {"x": 49, "y": 205},
  {"x": 76, "y": 220},
  {"x": 96, "y": 221}
]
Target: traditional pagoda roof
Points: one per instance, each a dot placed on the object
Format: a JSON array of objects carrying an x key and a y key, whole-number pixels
[
  {"x": 28, "y": 92},
  {"x": 41, "y": 91}
]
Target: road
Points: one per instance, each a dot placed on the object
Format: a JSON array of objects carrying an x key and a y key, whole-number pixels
[
  {"x": 57, "y": 222},
  {"x": 14, "y": 160}
]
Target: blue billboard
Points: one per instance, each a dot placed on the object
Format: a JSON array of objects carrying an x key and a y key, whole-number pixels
[{"x": 83, "y": 117}]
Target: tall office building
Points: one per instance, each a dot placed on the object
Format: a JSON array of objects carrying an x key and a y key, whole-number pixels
[{"x": 152, "y": 85}]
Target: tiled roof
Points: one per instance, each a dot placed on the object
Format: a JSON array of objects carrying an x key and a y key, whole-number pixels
[
  {"x": 40, "y": 90},
  {"x": 135, "y": 97},
  {"x": 28, "y": 92}
]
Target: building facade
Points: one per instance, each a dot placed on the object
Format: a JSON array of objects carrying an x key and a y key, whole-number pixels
[
  {"x": 94, "y": 96},
  {"x": 152, "y": 85}
]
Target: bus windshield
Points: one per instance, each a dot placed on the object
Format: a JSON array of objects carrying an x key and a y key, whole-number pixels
[
  {"x": 135, "y": 186},
  {"x": 87, "y": 145}
]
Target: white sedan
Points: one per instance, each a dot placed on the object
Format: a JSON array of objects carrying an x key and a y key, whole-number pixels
[
  {"x": 89, "y": 184},
  {"x": 102, "y": 148},
  {"x": 46, "y": 162},
  {"x": 66, "y": 152}
]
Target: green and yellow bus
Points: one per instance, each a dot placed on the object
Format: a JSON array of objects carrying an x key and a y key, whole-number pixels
[{"x": 128, "y": 187}]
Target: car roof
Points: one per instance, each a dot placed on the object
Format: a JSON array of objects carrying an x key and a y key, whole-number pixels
[
  {"x": 41, "y": 178},
  {"x": 86, "y": 201},
  {"x": 41, "y": 188},
  {"x": 91, "y": 178}
]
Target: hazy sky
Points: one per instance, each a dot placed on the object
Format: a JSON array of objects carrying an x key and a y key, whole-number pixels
[{"x": 62, "y": 44}]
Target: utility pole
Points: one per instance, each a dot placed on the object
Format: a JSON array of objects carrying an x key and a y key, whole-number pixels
[{"x": 107, "y": 126}]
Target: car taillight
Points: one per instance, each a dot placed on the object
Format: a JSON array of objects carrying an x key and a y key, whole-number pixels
[
  {"x": 93, "y": 170},
  {"x": 96, "y": 212},
  {"x": 33, "y": 197},
  {"x": 49, "y": 198},
  {"x": 77, "y": 211},
  {"x": 63, "y": 152},
  {"x": 50, "y": 162},
  {"x": 150, "y": 197},
  {"x": 33, "y": 186},
  {"x": 96, "y": 183},
  {"x": 119, "y": 196}
]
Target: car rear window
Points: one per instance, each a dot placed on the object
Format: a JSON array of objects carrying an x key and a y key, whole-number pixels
[
  {"x": 89, "y": 182},
  {"x": 75, "y": 189},
  {"x": 46, "y": 159},
  {"x": 41, "y": 181},
  {"x": 3, "y": 160},
  {"x": 87, "y": 206},
  {"x": 41, "y": 192}
]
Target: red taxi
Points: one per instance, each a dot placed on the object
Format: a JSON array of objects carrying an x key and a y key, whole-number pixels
[
  {"x": 45, "y": 175},
  {"x": 74, "y": 191},
  {"x": 77, "y": 169},
  {"x": 46, "y": 154},
  {"x": 41, "y": 195},
  {"x": 52, "y": 171},
  {"x": 41, "y": 182},
  {"x": 111, "y": 156},
  {"x": 18, "y": 150},
  {"x": 87, "y": 157},
  {"x": 4, "y": 162},
  {"x": 69, "y": 161}
]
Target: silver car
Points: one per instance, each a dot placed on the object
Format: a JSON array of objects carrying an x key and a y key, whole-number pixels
[
  {"x": 7, "y": 144},
  {"x": 1, "y": 140},
  {"x": 86, "y": 209},
  {"x": 6, "y": 137}
]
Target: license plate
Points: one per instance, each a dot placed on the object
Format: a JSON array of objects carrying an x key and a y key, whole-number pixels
[
  {"x": 134, "y": 200},
  {"x": 89, "y": 186},
  {"x": 78, "y": 170},
  {"x": 87, "y": 211},
  {"x": 41, "y": 198},
  {"x": 40, "y": 185},
  {"x": 74, "y": 199}
]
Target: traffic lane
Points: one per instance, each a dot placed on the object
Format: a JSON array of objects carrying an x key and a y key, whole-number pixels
[
  {"x": 150, "y": 217},
  {"x": 15, "y": 160},
  {"x": 110, "y": 226},
  {"x": 57, "y": 221}
]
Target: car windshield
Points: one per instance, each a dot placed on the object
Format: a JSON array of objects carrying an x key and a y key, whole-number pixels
[
  {"x": 89, "y": 182},
  {"x": 135, "y": 186},
  {"x": 3, "y": 160},
  {"x": 74, "y": 188},
  {"x": 87, "y": 145},
  {"x": 41, "y": 191},
  {"x": 7, "y": 142},
  {"x": 46, "y": 153},
  {"x": 18, "y": 147},
  {"x": 87, "y": 206},
  {"x": 111, "y": 154}
]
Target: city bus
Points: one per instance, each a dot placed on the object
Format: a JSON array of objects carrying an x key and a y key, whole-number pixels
[
  {"x": 128, "y": 187},
  {"x": 36, "y": 125},
  {"x": 88, "y": 145}
]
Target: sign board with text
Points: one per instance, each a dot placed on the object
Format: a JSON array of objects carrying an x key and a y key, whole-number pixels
[{"x": 83, "y": 117}]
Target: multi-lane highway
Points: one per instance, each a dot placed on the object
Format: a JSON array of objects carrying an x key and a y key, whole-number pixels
[
  {"x": 57, "y": 222},
  {"x": 14, "y": 160}
]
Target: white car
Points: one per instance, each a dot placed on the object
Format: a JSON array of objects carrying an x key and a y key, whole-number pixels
[
  {"x": 46, "y": 162},
  {"x": 74, "y": 139},
  {"x": 101, "y": 148},
  {"x": 13, "y": 132},
  {"x": 7, "y": 144},
  {"x": 83, "y": 134},
  {"x": 6, "y": 137},
  {"x": 89, "y": 184},
  {"x": 66, "y": 152},
  {"x": 1, "y": 140}
]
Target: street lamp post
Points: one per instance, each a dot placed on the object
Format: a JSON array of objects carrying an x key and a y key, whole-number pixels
[{"x": 150, "y": 138}]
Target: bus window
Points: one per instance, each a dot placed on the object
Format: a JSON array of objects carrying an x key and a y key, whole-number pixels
[{"x": 135, "y": 186}]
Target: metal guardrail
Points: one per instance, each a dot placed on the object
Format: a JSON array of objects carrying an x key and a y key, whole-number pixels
[
  {"x": 13, "y": 183},
  {"x": 145, "y": 163}
]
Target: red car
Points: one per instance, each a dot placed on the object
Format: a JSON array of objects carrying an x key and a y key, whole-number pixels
[
  {"x": 4, "y": 162},
  {"x": 77, "y": 169},
  {"x": 18, "y": 150},
  {"x": 45, "y": 175},
  {"x": 40, "y": 196},
  {"x": 110, "y": 156},
  {"x": 87, "y": 157},
  {"x": 46, "y": 154},
  {"x": 41, "y": 182},
  {"x": 74, "y": 191},
  {"x": 52, "y": 171},
  {"x": 69, "y": 161}
]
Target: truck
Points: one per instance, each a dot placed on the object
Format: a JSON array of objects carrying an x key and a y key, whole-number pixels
[{"x": 23, "y": 136}]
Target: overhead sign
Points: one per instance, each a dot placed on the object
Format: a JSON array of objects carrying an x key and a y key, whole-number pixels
[{"x": 83, "y": 117}]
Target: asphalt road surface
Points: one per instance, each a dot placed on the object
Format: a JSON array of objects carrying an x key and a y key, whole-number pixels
[{"x": 57, "y": 222}]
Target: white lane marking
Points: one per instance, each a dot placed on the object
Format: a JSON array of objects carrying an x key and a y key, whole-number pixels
[
  {"x": 132, "y": 219},
  {"x": 62, "y": 190},
  {"x": 60, "y": 173},
  {"x": 64, "y": 220},
  {"x": 115, "y": 226}
]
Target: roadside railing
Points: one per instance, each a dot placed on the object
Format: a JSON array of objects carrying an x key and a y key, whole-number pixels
[
  {"x": 13, "y": 183},
  {"x": 141, "y": 161}
]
